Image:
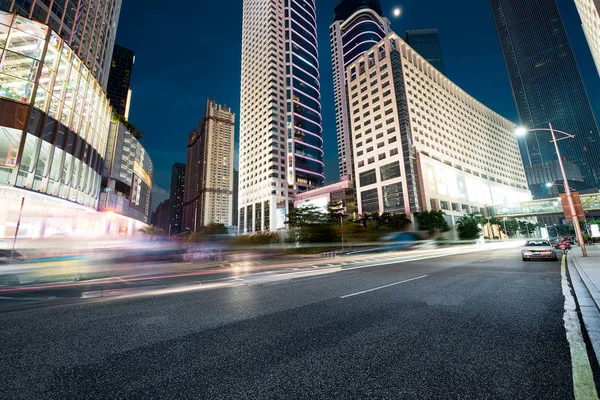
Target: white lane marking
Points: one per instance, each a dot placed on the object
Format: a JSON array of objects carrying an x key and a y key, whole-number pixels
[
  {"x": 403, "y": 261},
  {"x": 488, "y": 259},
  {"x": 383, "y": 287},
  {"x": 583, "y": 379}
]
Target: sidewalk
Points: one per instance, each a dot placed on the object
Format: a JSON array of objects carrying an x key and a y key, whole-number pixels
[{"x": 585, "y": 277}]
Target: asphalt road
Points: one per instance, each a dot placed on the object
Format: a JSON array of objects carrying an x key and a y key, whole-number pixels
[{"x": 472, "y": 326}]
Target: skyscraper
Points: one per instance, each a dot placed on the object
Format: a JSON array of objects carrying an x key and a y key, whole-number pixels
[
  {"x": 176, "y": 197},
  {"x": 118, "y": 90},
  {"x": 589, "y": 11},
  {"x": 357, "y": 26},
  {"x": 208, "y": 194},
  {"x": 426, "y": 42},
  {"x": 547, "y": 85},
  {"x": 280, "y": 122},
  {"x": 88, "y": 27}
]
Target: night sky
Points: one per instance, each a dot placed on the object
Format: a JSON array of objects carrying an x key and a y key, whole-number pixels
[{"x": 188, "y": 50}]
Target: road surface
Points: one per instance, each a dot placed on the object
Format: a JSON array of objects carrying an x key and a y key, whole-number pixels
[{"x": 470, "y": 326}]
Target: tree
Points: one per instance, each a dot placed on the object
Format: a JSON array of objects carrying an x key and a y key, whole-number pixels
[
  {"x": 152, "y": 230},
  {"x": 510, "y": 227},
  {"x": 335, "y": 212},
  {"x": 526, "y": 228},
  {"x": 468, "y": 228},
  {"x": 302, "y": 216},
  {"x": 214, "y": 229},
  {"x": 433, "y": 222}
]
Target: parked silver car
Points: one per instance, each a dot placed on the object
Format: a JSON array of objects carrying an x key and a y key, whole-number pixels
[{"x": 538, "y": 249}]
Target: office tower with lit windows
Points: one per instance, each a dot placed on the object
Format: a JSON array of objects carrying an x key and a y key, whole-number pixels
[
  {"x": 89, "y": 28},
  {"x": 421, "y": 143},
  {"x": 118, "y": 90},
  {"x": 208, "y": 194},
  {"x": 357, "y": 26},
  {"x": 426, "y": 42},
  {"x": 280, "y": 121},
  {"x": 547, "y": 85},
  {"x": 176, "y": 197},
  {"x": 589, "y": 11}
]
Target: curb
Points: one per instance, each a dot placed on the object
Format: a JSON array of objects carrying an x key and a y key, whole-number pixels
[{"x": 588, "y": 300}]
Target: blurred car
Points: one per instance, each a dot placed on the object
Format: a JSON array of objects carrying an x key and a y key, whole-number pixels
[
  {"x": 555, "y": 242},
  {"x": 538, "y": 249},
  {"x": 7, "y": 259}
]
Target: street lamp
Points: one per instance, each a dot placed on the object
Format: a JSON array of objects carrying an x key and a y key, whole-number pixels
[{"x": 521, "y": 131}]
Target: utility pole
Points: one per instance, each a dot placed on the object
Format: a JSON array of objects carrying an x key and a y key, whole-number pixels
[{"x": 569, "y": 197}]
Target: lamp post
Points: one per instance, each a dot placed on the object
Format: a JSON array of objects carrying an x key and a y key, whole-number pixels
[{"x": 522, "y": 132}]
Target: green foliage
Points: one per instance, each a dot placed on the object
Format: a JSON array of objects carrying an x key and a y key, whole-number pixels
[
  {"x": 510, "y": 227},
  {"x": 214, "y": 229},
  {"x": 526, "y": 228},
  {"x": 152, "y": 230},
  {"x": 257, "y": 239},
  {"x": 468, "y": 228},
  {"x": 129, "y": 126},
  {"x": 432, "y": 222}
]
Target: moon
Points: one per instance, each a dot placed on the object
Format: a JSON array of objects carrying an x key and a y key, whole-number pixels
[{"x": 396, "y": 12}]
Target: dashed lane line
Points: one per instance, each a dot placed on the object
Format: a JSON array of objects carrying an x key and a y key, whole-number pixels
[{"x": 382, "y": 287}]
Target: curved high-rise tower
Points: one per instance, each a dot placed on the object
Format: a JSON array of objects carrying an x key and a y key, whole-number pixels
[
  {"x": 281, "y": 144},
  {"x": 358, "y": 25}
]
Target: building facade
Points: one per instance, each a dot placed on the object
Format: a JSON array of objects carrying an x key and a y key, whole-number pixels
[
  {"x": 340, "y": 194},
  {"x": 54, "y": 128},
  {"x": 589, "y": 11},
  {"x": 127, "y": 177},
  {"x": 176, "y": 195},
  {"x": 357, "y": 26},
  {"x": 421, "y": 143},
  {"x": 426, "y": 42},
  {"x": 89, "y": 28},
  {"x": 280, "y": 122},
  {"x": 208, "y": 197},
  {"x": 547, "y": 85},
  {"x": 118, "y": 89},
  {"x": 160, "y": 216}
]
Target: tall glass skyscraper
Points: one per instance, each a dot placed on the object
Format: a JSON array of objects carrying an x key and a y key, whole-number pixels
[
  {"x": 426, "y": 42},
  {"x": 280, "y": 121},
  {"x": 88, "y": 27},
  {"x": 547, "y": 85},
  {"x": 357, "y": 26}
]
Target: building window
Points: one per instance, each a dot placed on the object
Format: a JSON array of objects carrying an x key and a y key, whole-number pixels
[
  {"x": 368, "y": 177},
  {"x": 393, "y": 197},
  {"x": 390, "y": 171},
  {"x": 370, "y": 201}
]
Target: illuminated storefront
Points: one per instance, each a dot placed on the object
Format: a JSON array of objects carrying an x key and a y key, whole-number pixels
[{"x": 54, "y": 122}]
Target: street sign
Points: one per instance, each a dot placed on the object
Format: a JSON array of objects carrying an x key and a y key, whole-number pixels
[{"x": 576, "y": 203}]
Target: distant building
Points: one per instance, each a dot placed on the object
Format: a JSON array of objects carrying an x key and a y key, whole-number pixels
[
  {"x": 160, "y": 216},
  {"x": 176, "y": 195},
  {"x": 127, "y": 175},
  {"x": 118, "y": 90},
  {"x": 426, "y": 42},
  {"x": 89, "y": 28},
  {"x": 341, "y": 193},
  {"x": 589, "y": 11},
  {"x": 539, "y": 175},
  {"x": 357, "y": 26},
  {"x": 408, "y": 160},
  {"x": 208, "y": 197},
  {"x": 547, "y": 85}
]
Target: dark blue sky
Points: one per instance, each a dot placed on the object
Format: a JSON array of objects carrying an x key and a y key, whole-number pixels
[{"x": 188, "y": 50}]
